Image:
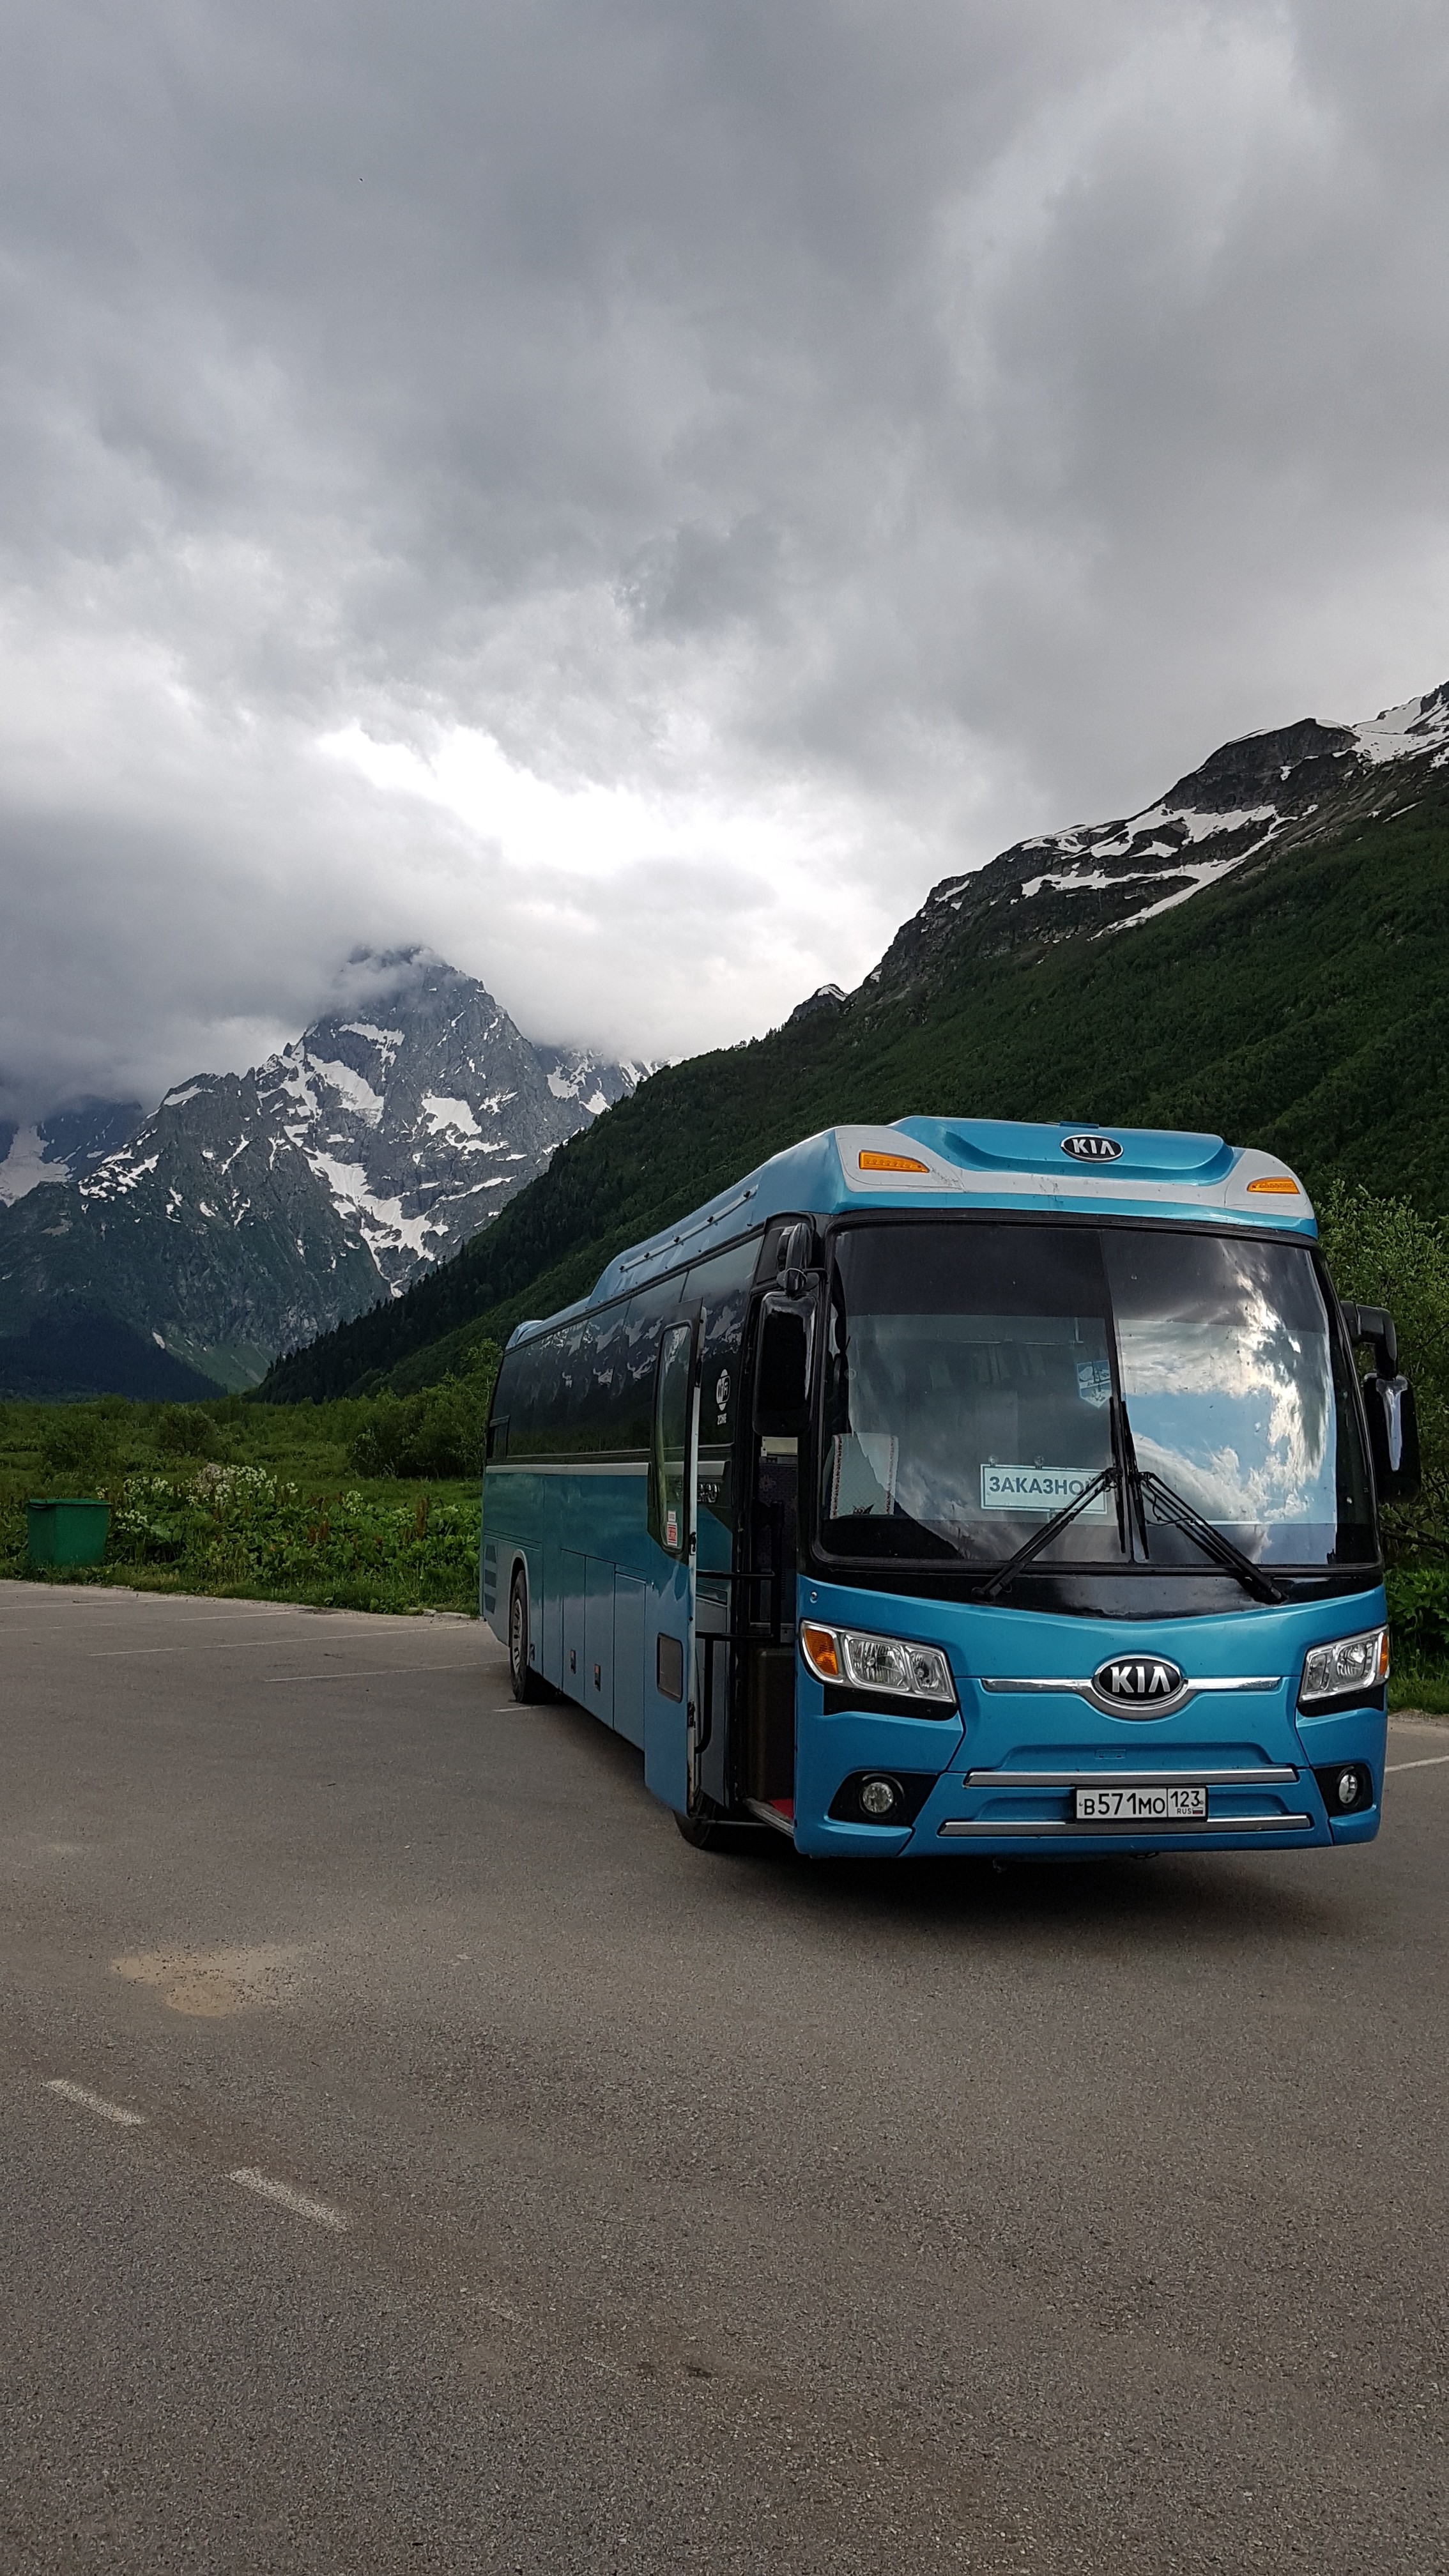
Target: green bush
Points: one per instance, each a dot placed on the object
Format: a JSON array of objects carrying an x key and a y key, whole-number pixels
[
  {"x": 79, "y": 1449},
  {"x": 439, "y": 1433},
  {"x": 238, "y": 1529},
  {"x": 1419, "y": 1614},
  {"x": 187, "y": 1431}
]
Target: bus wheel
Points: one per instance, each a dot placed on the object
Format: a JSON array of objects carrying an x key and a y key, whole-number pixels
[
  {"x": 526, "y": 1683},
  {"x": 702, "y": 1827}
]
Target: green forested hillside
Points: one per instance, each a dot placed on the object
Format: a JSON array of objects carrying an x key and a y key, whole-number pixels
[{"x": 1302, "y": 1005}]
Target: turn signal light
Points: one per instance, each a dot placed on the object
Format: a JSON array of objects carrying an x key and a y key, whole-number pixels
[
  {"x": 1276, "y": 1186},
  {"x": 821, "y": 1652},
  {"x": 892, "y": 1163}
]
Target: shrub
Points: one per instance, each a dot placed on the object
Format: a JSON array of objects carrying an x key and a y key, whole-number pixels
[
  {"x": 79, "y": 1449},
  {"x": 185, "y": 1431},
  {"x": 1419, "y": 1613},
  {"x": 439, "y": 1433}
]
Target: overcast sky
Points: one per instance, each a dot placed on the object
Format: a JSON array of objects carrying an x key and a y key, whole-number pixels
[{"x": 631, "y": 492}]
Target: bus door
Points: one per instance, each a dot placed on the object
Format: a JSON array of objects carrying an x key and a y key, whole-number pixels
[
  {"x": 671, "y": 1691},
  {"x": 715, "y": 1586},
  {"x": 721, "y": 1284},
  {"x": 767, "y": 1694},
  {"x": 782, "y": 1345}
]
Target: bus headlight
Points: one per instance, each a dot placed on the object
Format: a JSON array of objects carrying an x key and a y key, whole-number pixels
[
  {"x": 849, "y": 1659},
  {"x": 1349, "y": 1664}
]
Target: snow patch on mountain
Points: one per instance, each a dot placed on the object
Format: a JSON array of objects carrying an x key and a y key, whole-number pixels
[
  {"x": 25, "y": 1166},
  {"x": 62, "y": 1147},
  {"x": 1402, "y": 733},
  {"x": 384, "y": 1226},
  {"x": 351, "y": 1086},
  {"x": 447, "y": 1117}
]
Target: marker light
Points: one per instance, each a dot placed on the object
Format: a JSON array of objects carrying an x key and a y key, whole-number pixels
[
  {"x": 879, "y": 1664},
  {"x": 870, "y": 1162},
  {"x": 1276, "y": 1185},
  {"x": 1350, "y": 1664}
]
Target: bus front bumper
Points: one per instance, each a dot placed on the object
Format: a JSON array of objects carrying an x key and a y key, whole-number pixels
[{"x": 1023, "y": 1811}]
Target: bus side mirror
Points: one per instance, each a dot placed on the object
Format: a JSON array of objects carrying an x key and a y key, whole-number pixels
[
  {"x": 782, "y": 1369},
  {"x": 1375, "y": 1324},
  {"x": 1393, "y": 1424},
  {"x": 1393, "y": 1437}
]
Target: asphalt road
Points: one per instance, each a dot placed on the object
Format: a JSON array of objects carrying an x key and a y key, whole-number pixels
[{"x": 506, "y": 2186}]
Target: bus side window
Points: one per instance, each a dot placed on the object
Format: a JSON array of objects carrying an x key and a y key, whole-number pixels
[
  {"x": 722, "y": 1287},
  {"x": 668, "y": 1483},
  {"x": 633, "y": 1402}
]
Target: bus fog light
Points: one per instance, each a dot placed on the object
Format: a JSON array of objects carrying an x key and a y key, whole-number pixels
[
  {"x": 1347, "y": 1787},
  {"x": 879, "y": 1798}
]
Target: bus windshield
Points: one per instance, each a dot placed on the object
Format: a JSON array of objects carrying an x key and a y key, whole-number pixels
[{"x": 970, "y": 1376}]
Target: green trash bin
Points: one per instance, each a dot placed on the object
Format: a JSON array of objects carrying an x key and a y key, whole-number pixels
[{"x": 68, "y": 1532}]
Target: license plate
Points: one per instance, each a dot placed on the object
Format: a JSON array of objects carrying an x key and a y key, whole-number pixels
[{"x": 1181, "y": 1806}]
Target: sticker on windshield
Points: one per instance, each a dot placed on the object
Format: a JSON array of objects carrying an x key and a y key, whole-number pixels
[
  {"x": 1094, "y": 1381},
  {"x": 1040, "y": 1490},
  {"x": 863, "y": 1473}
]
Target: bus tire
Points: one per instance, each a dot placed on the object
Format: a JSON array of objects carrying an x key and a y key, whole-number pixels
[
  {"x": 524, "y": 1682},
  {"x": 702, "y": 1828}
]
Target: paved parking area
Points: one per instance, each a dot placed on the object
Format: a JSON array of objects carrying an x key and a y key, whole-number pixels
[{"x": 416, "y": 2157}]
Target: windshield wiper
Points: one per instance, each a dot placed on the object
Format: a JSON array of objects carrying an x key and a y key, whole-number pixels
[
  {"x": 1101, "y": 1484},
  {"x": 1171, "y": 1506}
]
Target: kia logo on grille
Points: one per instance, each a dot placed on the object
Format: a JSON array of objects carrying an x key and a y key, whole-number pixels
[
  {"x": 1092, "y": 1149},
  {"x": 1131, "y": 1682}
]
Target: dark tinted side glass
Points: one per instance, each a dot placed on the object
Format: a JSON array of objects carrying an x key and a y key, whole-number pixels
[{"x": 648, "y": 1311}]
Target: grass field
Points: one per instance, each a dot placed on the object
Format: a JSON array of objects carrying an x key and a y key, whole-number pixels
[{"x": 261, "y": 1500}]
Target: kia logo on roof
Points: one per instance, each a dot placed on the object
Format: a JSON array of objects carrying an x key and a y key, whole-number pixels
[
  {"x": 1139, "y": 1684},
  {"x": 1092, "y": 1149}
]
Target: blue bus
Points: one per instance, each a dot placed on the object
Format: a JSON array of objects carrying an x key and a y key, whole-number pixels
[{"x": 966, "y": 1486}]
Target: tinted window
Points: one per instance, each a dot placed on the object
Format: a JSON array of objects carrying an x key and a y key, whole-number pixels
[
  {"x": 670, "y": 1518},
  {"x": 645, "y": 1318},
  {"x": 722, "y": 1288}
]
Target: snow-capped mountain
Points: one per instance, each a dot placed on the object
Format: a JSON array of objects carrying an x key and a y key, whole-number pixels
[
  {"x": 253, "y": 1211},
  {"x": 422, "y": 1118},
  {"x": 1256, "y": 797},
  {"x": 64, "y": 1146}
]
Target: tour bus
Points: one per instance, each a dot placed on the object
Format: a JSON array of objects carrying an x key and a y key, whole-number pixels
[{"x": 966, "y": 1487}]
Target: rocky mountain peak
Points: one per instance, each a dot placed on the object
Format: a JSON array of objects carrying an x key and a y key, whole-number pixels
[
  {"x": 254, "y": 1210},
  {"x": 1253, "y": 797}
]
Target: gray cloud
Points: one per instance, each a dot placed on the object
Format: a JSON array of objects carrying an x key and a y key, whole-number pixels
[{"x": 631, "y": 494}]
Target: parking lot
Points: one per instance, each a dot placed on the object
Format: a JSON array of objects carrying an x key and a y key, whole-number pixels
[{"x": 416, "y": 2156}]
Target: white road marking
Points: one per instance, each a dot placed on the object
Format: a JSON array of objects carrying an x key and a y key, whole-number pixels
[
  {"x": 367, "y": 1673},
  {"x": 1429, "y": 1762},
  {"x": 108, "y": 1654},
  {"x": 94, "y": 2102},
  {"x": 320, "y": 2211}
]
